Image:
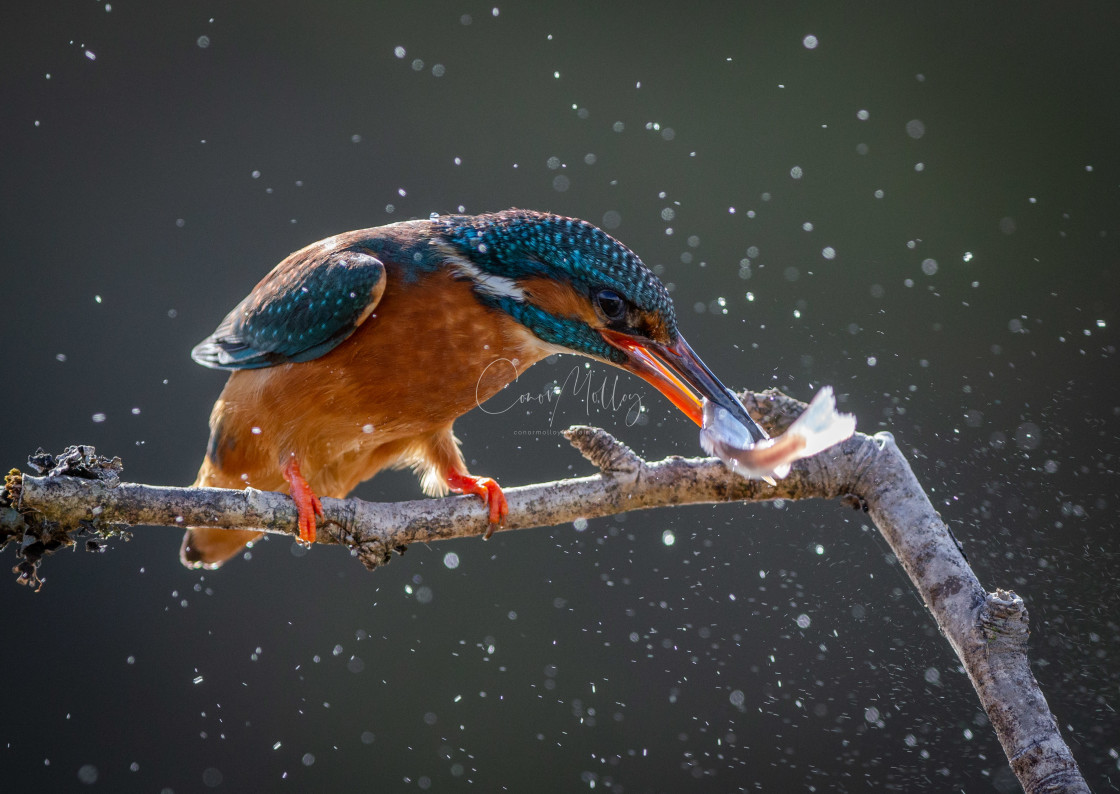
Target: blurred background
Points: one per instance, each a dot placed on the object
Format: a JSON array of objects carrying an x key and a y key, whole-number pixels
[{"x": 915, "y": 204}]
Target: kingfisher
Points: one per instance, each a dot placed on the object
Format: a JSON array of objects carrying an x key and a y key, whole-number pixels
[{"x": 359, "y": 352}]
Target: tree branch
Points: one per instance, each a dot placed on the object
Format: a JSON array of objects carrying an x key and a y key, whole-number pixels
[{"x": 988, "y": 631}]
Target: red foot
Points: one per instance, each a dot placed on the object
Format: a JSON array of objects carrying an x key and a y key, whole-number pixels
[
  {"x": 307, "y": 503},
  {"x": 486, "y": 488}
]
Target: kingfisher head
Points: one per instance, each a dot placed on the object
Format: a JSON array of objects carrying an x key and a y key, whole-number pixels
[{"x": 579, "y": 290}]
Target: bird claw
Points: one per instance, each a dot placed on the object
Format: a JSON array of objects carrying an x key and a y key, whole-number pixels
[
  {"x": 495, "y": 525},
  {"x": 308, "y": 505},
  {"x": 490, "y": 492},
  {"x": 308, "y": 510}
]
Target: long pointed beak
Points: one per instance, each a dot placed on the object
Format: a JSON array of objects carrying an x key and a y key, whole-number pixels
[{"x": 678, "y": 373}]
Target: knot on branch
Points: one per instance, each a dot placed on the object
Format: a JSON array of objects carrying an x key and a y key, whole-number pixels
[
  {"x": 605, "y": 451},
  {"x": 375, "y": 552},
  {"x": 872, "y": 464},
  {"x": 80, "y": 460},
  {"x": 1004, "y": 620},
  {"x": 369, "y": 545},
  {"x": 772, "y": 408},
  {"x": 883, "y": 439}
]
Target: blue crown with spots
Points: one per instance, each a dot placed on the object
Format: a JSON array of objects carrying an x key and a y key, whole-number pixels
[{"x": 522, "y": 243}]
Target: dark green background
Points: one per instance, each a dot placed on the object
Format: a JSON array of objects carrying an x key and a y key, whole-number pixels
[{"x": 146, "y": 190}]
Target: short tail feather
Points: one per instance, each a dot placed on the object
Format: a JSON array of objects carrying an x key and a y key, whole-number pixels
[{"x": 208, "y": 548}]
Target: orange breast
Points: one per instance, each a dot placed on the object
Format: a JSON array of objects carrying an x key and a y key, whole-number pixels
[{"x": 428, "y": 354}]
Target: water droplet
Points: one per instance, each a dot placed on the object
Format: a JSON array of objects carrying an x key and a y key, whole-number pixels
[{"x": 1028, "y": 436}]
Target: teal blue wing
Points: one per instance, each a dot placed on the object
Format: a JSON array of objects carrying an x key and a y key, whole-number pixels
[{"x": 303, "y": 309}]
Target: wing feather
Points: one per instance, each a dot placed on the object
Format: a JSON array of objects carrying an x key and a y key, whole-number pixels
[{"x": 303, "y": 309}]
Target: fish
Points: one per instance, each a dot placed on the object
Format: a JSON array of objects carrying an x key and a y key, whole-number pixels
[{"x": 818, "y": 428}]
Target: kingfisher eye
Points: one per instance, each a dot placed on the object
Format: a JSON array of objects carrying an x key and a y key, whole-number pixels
[{"x": 611, "y": 304}]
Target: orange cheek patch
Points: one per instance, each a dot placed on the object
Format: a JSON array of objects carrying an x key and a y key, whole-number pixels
[
  {"x": 655, "y": 328},
  {"x": 560, "y": 299}
]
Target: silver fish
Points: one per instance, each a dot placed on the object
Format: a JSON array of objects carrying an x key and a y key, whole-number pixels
[{"x": 817, "y": 429}]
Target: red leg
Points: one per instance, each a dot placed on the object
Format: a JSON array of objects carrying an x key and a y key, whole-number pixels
[
  {"x": 461, "y": 482},
  {"x": 307, "y": 503}
]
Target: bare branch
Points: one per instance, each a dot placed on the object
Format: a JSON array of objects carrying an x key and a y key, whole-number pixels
[{"x": 988, "y": 631}]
